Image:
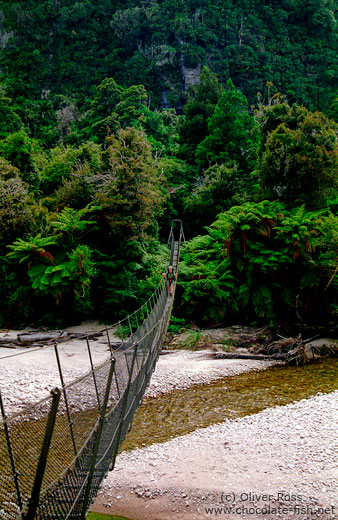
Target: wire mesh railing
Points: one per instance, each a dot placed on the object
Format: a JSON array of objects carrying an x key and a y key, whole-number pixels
[
  {"x": 124, "y": 326},
  {"x": 55, "y": 453}
]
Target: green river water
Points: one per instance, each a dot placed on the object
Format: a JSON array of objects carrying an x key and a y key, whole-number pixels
[{"x": 159, "y": 419}]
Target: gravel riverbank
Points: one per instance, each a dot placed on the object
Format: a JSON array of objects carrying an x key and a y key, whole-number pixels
[
  {"x": 284, "y": 458},
  {"x": 181, "y": 369},
  {"x": 29, "y": 377},
  {"x": 28, "y": 374},
  {"x": 281, "y": 457}
]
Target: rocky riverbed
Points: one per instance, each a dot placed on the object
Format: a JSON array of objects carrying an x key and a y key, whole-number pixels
[{"x": 282, "y": 461}]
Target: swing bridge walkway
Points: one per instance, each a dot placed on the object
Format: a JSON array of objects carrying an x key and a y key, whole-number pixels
[{"x": 55, "y": 453}]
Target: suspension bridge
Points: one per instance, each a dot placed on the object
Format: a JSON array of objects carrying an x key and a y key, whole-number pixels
[{"x": 55, "y": 453}]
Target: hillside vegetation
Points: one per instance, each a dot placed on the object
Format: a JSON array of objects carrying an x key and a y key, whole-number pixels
[{"x": 118, "y": 116}]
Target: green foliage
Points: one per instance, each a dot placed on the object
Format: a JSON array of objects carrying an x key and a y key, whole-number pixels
[
  {"x": 260, "y": 261},
  {"x": 49, "y": 279},
  {"x": 299, "y": 159},
  {"x": 23, "y": 250},
  {"x": 10, "y": 122},
  {"x": 62, "y": 276},
  {"x": 232, "y": 136},
  {"x": 82, "y": 267},
  {"x": 198, "y": 109},
  {"x": 75, "y": 190},
  {"x": 18, "y": 209},
  {"x": 74, "y": 224},
  {"x": 52, "y": 48},
  {"x": 63, "y": 161},
  {"x": 98, "y": 516},
  {"x": 114, "y": 107},
  {"x": 108, "y": 95},
  {"x": 191, "y": 339},
  {"x": 111, "y": 124},
  {"x": 130, "y": 194},
  {"x": 23, "y": 153},
  {"x": 176, "y": 325},
  {"x": 332, "y": 111},
  {"x": 214, "y": 191},
  {"x": 123, "y": 284}
]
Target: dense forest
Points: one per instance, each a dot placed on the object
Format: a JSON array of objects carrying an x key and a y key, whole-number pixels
[{"x": 116, "y": 117}]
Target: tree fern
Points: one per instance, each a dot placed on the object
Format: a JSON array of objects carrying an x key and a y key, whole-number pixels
[
  {"x": 260, "y": 261},
  {"x": 23, "y": 250}
]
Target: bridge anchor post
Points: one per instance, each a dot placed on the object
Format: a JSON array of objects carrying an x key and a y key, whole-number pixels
[
  {"x": 10, "y": 451},
  {"x": 40, "y": 472}
]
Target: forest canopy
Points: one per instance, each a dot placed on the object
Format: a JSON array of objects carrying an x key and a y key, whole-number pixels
[{"x": 116, "y": 117}]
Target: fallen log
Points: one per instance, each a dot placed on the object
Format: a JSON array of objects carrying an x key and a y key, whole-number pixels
[
  {"x": 58, "y": 335},
  {"x": 239, "y": 355},
  {"x": 114, "y": 345},
  {"x": 34, "y": 339},
  {"x": 80, "y": 335},
  {"x": 288, "y": 356},
  {"x": 166, "y": 352},
  {"x": 8, "y": 340},
  {"x": 92, "y": 335},
  {"x": 299, "y": 353}
]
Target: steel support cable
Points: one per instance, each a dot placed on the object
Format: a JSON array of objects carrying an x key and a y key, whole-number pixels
[
  {"x": 85, "y": 335},
  {"x": 116, "y": 324},
  {"x": 63, "y": 497},
  {"x": 156, "y": 330}
]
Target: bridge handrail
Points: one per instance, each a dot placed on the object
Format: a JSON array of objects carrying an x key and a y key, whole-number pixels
[
  {"x": 72, "y": 441},
  {"x": 103, "y": 330},
  {"x": 31, "y": 406}
]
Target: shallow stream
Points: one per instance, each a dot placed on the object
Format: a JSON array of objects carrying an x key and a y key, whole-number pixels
[{"x": 161, "y": 418}]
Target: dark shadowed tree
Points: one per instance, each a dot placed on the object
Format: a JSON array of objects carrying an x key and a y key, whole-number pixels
[
  {"x": 232, "y": 133},
  {"x": 130, "y": 193},
  {"x": 299, "y": 155},
  {"x": 197, "y": 111}
]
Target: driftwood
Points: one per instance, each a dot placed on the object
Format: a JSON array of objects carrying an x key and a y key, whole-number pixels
[
  {"x": 115, "y": 344},
  {"x": 42, "y": 337},
  {"x": 287, "y": 356},
  {"x": 291, "y": 350},
  {"x": 165, "y": 352},
  {"x": 38, "y": 339},
  {"x": 239, "y": 355},
  {"x": 6, "y": 340}
]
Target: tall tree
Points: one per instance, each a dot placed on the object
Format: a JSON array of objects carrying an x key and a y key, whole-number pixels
[
  {"x": 199, "y": 108},
  {"x": 232, "y": 133},
  {"x": 299, "y": 155},
  {"x": 9, "y": 121},
  {"x": 131, "y": 193}
]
